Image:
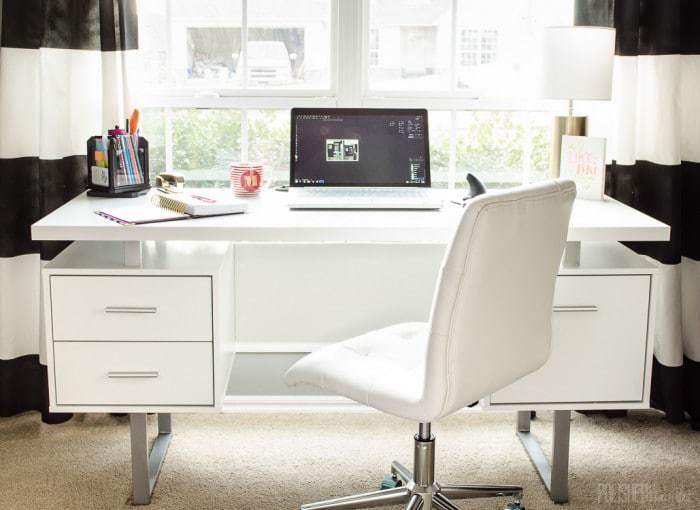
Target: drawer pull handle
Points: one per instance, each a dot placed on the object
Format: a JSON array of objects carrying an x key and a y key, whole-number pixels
[
  {"x": 584, "y": 308},
  {"x": 144, "y": 374},
  {"x": 130, "y": 309}
]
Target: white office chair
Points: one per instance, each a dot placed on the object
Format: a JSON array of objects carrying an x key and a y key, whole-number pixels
[{"x": 489, "y": 326}]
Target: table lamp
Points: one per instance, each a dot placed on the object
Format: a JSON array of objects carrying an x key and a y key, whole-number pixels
[{"x": 577, "y": 63}]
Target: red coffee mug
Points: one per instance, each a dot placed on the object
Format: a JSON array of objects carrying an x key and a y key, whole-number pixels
[{"x": 246, "y": 178}]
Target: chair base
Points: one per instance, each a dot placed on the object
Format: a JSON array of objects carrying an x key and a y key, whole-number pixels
[
  {"x": 420, "y": 491},
  {"x": 420, "y": 498}
]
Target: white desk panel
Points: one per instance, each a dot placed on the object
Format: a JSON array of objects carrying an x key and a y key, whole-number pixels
[{"x": 269, "y": 220}]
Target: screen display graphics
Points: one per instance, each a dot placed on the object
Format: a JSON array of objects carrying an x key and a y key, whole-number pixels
[{"x": 359, "y": 147}]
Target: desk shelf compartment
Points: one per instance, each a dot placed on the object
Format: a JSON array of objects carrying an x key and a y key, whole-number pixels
[{"x": 134, "y": 373}]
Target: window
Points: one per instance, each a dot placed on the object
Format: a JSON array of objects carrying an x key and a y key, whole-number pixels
[
  {"x": 478, "y": 46},
  {"x": 221, "y": 75},
  {"x": 470, "y": 47},
  {"x": 213, "y": 44},
  {"x": 413, "y": 35},
  {"x": 472, "y": 62},
  {"x": 489, "y": 43}
]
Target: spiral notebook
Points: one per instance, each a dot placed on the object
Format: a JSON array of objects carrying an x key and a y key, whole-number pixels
[{"x": 159, "y": 208}]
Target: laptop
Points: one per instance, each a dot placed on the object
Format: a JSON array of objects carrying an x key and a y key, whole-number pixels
[{"x": 360, "y": 158}]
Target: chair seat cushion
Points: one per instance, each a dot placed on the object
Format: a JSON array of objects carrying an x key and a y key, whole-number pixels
[{"x": 383, "y": 369}]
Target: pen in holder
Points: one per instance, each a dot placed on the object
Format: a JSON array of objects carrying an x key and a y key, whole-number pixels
[{"x": 117, "y": 166}]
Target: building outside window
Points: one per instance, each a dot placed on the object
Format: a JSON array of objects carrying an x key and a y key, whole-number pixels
[
  {"x": 478, "y": 48},
  {"x": 469, "y": 47},
  {"x": 489, "y": 46}
]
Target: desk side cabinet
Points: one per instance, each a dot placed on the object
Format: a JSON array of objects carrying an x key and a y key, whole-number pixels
[
  {"x": 602, "y": 337},
  {"x": 155, "y": 337}
]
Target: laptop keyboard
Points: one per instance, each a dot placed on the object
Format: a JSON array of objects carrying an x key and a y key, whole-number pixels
[{"x": 366, "y": 192}]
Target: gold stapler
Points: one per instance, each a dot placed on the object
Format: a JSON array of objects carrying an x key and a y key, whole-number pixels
[{"x": 170, "y": 182}]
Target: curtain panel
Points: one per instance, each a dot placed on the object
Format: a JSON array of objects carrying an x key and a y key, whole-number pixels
[
  {"x": 655, "y": 145},
  {"x": 64, "y": 69}
]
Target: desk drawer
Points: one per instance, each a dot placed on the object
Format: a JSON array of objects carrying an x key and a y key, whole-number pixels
[
  {"x": 134, "y": 373},
  {"x": 147, "y": 308},
  {"x": 599, "y": 342}
]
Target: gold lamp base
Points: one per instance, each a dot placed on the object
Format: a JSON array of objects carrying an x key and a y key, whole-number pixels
[{"x": 563, "y": 125}]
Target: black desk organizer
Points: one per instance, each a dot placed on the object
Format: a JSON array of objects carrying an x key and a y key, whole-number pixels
[{"x": 112, "y": 190}]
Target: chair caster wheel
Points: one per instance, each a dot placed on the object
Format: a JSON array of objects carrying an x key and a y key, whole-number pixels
[
  {"x": 390, "y": 482},
  {"x": 514, "y": 506}
]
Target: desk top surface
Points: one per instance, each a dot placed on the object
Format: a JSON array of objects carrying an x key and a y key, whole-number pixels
[{"x": 269, "y": 220}]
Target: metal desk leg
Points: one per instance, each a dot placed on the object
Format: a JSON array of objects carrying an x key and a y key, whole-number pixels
[
  {"x": 145, "y": 467},
  {"x": 555, "y": 476}
]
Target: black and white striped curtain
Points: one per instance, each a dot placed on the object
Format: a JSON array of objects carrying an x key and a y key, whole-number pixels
[
  {"x": 655, "y": 144},
  {"x": 64, "y": 65}
]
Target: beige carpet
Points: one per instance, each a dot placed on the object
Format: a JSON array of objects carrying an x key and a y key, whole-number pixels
[{"x": 279, "y": 460}]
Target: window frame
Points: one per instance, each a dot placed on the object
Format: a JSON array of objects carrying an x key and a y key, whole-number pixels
[
  {"x": 348, "y": 84},
  {"x": 465, "y": 46},
  {"x": 169, "y": 96},
  {"x": 489, "y": 35}
]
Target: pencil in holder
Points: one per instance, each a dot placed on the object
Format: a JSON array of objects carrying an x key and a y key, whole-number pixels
[{"x": 117, "y": 166}]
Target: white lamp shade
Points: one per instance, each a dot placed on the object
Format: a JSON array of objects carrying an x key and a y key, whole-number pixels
[{"x": 577, "y": 62}]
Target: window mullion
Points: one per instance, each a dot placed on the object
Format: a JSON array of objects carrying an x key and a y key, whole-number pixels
[
  {"x": 453, "y": 47},
  {"x": 352, "y": 42},
  {"x": 335, "y": 47}
]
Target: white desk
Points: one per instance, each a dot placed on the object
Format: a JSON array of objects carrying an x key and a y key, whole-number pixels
[
  {"x": 269, "y": 220},
  {"x": 356, "y": 270}
]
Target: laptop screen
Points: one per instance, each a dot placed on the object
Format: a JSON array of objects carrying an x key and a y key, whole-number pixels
[{"x": 359, "y": 147}]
